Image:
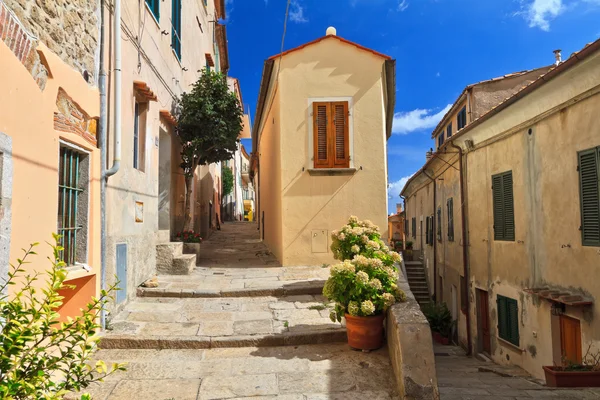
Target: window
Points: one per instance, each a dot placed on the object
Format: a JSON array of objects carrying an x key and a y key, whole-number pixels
[
  {"x": 427, "y": 230},
  {"x": 331, "y": 135},
  {"x": 449, "y": 130},
  {"x": 406, "y": 227},
  {"x": 589, "y": 186},
  {"x": 414, "y": 227},
  {"x": 504, "y": 214},
  {"x": 461, "y": 119},
  {"x": 139, "y": 135},
  {"x": 463, "y": 294},
  {"x": 508, "y": 319},
  {"x": 441, "y": 139},
  {"x": 176, "y": 29},
  {"x": 73, "y": 204},
  {"x": 439, "y": 223},
  {"x": 450, "y": 205},
  {"x": 431, "y": 218},
  {"x": 154, "y": 6}
]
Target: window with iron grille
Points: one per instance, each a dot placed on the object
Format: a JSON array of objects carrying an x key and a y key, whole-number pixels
[
  {"x": 73, "y": 204},
  {"x": 154, "y": 6},
  {"x": 450, "y": 206},
  {"x": 504, "y": 209},
  {"x": 461, "y": 119},
  {"x": 508, "y": 319},
  {"x": 589, "y": 187}
]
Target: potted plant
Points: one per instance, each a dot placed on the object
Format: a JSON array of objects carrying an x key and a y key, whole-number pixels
[
  {"x": 440, "y": 321},
  {"x": 408, "y": 252},
  {"x": 569, "y": 374},
  {"x": 364, "y": 285},
  {"x": 191, "y": 242}
]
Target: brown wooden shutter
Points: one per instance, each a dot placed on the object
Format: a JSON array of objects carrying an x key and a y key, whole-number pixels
[
  {"x": 339, "y": 135},
  {"x": 321, "y": 118}
]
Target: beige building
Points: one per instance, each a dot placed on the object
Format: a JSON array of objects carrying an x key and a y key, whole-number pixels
[
  {"x": 529, "y": 242},
  {"x": 324, "y": 114}
]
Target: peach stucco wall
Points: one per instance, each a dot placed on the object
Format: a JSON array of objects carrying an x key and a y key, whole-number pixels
[{"x": 27, "y": 116}]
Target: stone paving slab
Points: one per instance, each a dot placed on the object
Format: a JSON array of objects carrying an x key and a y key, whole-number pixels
[
  {"x": 223, "y": 322},
  {"x": 463, "y": 378},
  {"x": 316, "y": 372}
]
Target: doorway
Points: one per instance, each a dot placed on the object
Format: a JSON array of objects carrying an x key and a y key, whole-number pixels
[
  {"x": 164, "y": 181},
  {"x": 483, "y": 319},
  {"x": 570, "y": 340}
]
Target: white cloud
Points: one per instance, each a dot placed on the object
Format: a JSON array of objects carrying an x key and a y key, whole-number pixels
[
  {"x": 437, "y": 75},
  {"x": 539, "y": 13},
  {"x": 416, "y": 120},
  {"x": 394, "y": 188},
  {"x": 297, "y": 12},
  {"x": 403, "y": 5}
]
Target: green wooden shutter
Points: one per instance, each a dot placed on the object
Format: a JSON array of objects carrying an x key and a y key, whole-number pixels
[
  {"x": 509, "y": 206},
  {"x": 513, "y": 321},
  {"x": 589, "y": 186},
  {"x": 427, "y": 230},
  {"x": 498, "y": 207},
  {"x": 502, "y": 317}
]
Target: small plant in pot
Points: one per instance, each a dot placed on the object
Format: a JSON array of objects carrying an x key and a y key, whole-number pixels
[
  {"x": 440, "y": 321},
  {"x": 570, "y": 374},
  {"x": 191, "y": 242},
  {"x": 364, "y": 285},
  {"x": 408, "y": 252}
]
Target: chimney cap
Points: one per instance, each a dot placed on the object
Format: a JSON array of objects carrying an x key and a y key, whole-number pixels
[
  {"x": 556, "y": 51},
  {"x": 331, "y": 31}
]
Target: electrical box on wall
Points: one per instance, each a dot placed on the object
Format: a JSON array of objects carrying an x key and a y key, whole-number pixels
[{"x": 319, "y": 240}]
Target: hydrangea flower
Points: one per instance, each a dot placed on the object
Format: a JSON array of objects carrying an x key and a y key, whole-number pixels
[
  {"x": 388, "y": 299},
  {"x": 355, "y": 248},
  {"x": 353, "y": 308},
  {"x": 362, "y": 277},
  {"x": 373, "y": 244},
  {"x": 365, "y": 239},
  {"x": 367, "y": 307},
  {"x": 346, "y": 266},
  {"x": 375, "y": 284},
  {"x": 341, "y": 236}
]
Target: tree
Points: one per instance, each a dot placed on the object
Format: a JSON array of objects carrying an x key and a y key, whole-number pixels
[
  {"x": 209, "y": 121},
  {"x": 227, "y": 177}
]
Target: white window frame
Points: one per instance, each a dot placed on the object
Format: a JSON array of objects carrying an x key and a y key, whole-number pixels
[{"x": 311, "y": 149}]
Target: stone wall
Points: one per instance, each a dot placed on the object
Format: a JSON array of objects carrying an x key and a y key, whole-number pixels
[
  {"x": 411, "y": 349},
  {"x": 70, "y": 28}
]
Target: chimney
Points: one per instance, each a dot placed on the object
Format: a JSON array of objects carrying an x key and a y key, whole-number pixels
[
  {"x": 429, "y": 154},
  {"x": 558, "y": 56},
  {"x": 331, "y": 31},
  {"x": 398, "y": 208}
]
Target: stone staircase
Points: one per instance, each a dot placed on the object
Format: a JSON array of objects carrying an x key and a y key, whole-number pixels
[
  {"x": 417, "y": 281},
  {"x": 170, "y": 259}
]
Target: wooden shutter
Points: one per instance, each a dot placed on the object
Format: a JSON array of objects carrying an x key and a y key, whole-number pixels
[
  {"x": 513, "y": 321},
  {"x": 450, "y": 219},
  {"x": 339, "y": 135},
  {"x": 589, "y": 186},
  {"x": 321, "y": 118},
  {"x": 431, "y": 219},
  {"x": 509, "y": 206},
  {"x": 427, "y": 230},
  {"x": 439, "y": 223},
  {"x": 498, "y": 207},
  {"x": 502, "y": 317}
]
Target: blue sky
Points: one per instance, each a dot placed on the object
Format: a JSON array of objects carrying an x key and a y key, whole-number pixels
[{"x": 440, "y": 47}]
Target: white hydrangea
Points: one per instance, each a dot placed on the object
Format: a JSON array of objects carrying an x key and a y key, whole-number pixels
[
  {"x": 361, "y": 261},
  {"x": 353, "y": 308},
  {"x": 373, "y": 244},
  {"x": 341, "y": 236},
  {"x": 353, "y": 219},
  {"x": 367, "y": 307},
  {"x": 365, "y": 239},
  {"x": 375, "y": 284},
  {"x": 362, "y": 277},
  {"x": 388, "y": 299},
  {"x": 355, "y": 248},
  {"x": 395, "y": 257},
  {"x": 346, "y": 266}
]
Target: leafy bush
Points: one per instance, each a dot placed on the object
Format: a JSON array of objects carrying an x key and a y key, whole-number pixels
[
  {"x": 365, "y": 283},
  {"x": 40, "y": 357},
  {"x": 189, "y": 237},
  {"x": 440, "y": 318}
]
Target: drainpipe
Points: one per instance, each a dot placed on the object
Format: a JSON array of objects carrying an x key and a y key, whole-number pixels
[
  {"x": 463, "y": 210},
  {"x": 433, "y": 227},
  {"x": 103, "y": 136}
]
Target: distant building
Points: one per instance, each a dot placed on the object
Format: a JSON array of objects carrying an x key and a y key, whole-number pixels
[
  {"x": 324, "y": 114},
  {"x": 396, "y": 225},
  {"x": 514, "y": 246}
]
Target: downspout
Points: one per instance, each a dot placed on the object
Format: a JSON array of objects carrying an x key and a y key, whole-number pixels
[
  {"x": 433, "y": 227},
  {"x": 104, "y": 129},
  {"x": 465, "y": 254}
]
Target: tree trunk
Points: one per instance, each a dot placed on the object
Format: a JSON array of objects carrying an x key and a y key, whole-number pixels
[{"x": 187, "y": 211}]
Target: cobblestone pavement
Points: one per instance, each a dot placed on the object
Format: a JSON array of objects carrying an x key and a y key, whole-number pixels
[
  {"x": 310, "y": 372},
  {"x": 461, "y": 377}
]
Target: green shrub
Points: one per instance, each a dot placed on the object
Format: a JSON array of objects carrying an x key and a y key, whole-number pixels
[
  {"x": 440, "y": 318},
  {"x": 40, "y": 357}
]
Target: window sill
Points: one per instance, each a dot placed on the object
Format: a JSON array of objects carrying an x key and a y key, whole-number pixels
[
  {"x": 78, "y": 271},
  {"x": 331, "y": 171},
  {"x": 509, "y": 344}
]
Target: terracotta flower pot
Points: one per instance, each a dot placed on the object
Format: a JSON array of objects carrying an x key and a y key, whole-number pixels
[
  {"x": 365, "y": 333},
  {"x": 558, "y": 378}
]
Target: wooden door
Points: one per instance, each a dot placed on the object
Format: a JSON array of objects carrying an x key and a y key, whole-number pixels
[
  {"x": 484, "y": 321},
  {"x": 570, "y": 339}
]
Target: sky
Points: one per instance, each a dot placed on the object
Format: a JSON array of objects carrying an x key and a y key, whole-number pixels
[{"x": 440, "y": 46}]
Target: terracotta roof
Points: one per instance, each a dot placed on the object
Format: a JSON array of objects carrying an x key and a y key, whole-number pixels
[
  {"x": 166, "y": 114},
  {"x": 144, "y": 91},
  {"x": 560, "y": 296},
  {"x": 209, "y": 59},
  {"x": 327, "y": 37}
]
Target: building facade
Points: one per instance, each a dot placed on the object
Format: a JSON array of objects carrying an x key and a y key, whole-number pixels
[
  {"x": 530, "y": 240},
  {"x": 320, "y": 145}
]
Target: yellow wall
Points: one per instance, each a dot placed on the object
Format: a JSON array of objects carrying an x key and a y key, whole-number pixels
[
  {"x": 547, "y": 250},
  {"x": 316, "y": 205},
  {"x": 27, "y": 116}
]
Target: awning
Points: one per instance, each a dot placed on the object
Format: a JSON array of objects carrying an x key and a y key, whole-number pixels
[{"x": 569, "y": 298}]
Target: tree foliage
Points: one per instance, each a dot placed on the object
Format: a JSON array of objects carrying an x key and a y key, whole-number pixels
[
  {"x": 40, "y": 357},
  {"x": 209, "y": 121},
  {"x": 227, "y": 177}
]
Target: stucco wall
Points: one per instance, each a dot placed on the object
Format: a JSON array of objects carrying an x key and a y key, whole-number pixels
[
  {"x": 547, "y": 250},
  {"x": 316, "y": 205},
  {"x": 27, "y": 117}
]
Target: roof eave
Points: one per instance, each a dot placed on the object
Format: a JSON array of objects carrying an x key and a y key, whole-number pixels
[
  {"x": 262, "y": 95},
  {"x": 390, "y": 73}
]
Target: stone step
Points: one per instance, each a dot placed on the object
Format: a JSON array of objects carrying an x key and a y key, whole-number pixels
[
  {"x": 202, "y": 323},
  {"x": 183, "y": 264}
]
